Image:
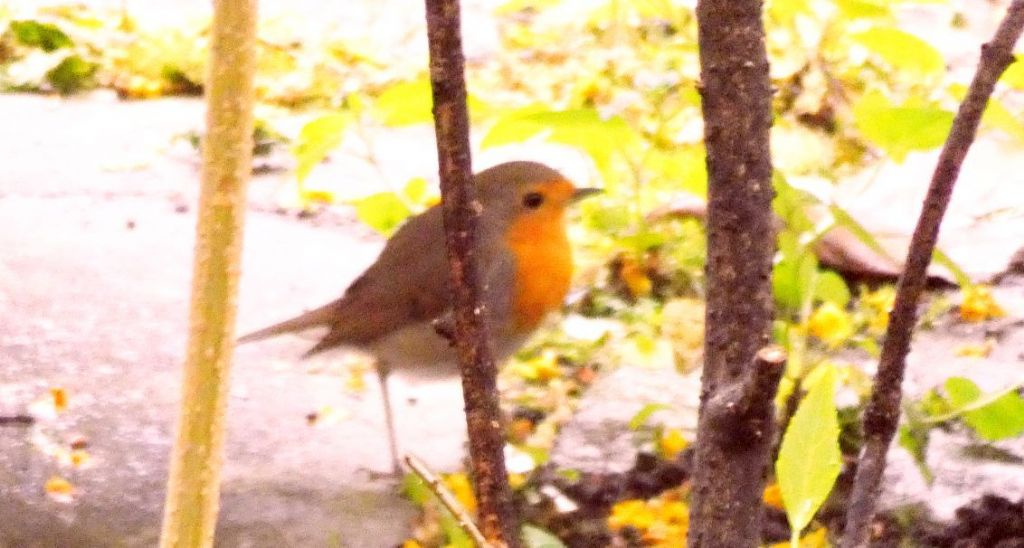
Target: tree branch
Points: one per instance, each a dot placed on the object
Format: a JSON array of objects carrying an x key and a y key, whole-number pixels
[
  {"x": 448, "y": 500},
  {"x": 461, "y": 209},
  {"x": 881, "y": 417},
  {"x": 739, "y": 409},
  {"x": 731, "y": 456}
]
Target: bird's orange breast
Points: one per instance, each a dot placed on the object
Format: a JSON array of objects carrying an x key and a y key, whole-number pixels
[{"x": 543, "y": 266}]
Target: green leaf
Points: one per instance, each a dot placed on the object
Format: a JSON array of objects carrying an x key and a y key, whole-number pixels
[
  {"x": 961, "y": 277},
  {"x": 409, "y": 102},
  {"x": 682, "y": 168},
  {"x": 316, "y": 139},
  {"x": 44, "y": 36},
  {"x": 419, "y": 493},
  {"x": 996, "y": 114},
  {"x": 383, "y": 211},
  {"x": 405, "y": 103},
  {"x": 645, "y": 413},
  {"x": 416, "y": 190},
  {"x": 535, "y": 537},
  {"x": 71, "y": 74},
  {"x": 831, "y": 287},
  {"x": 1014, "y": 74},
  {"x": 457, "y": 538},
  {"x": 416, "y": 490},
  {"x": 1000, "y": 418},
  {"x": 809, "y": 459},
  {"x": 604, "y": 140},
  {"x": 785, "y": 11},
  {"x": 510, "y": 7},
  {"x": 899, "y": 130},
  {"x": 914, "y": 438},
  {"x": 902, "y": 50},
  {"x": 793, "y": 279},
  {"x": 864, "y": 9},
  {"x": 847, "y": 221},
  {"x": 791, "y": 204}
]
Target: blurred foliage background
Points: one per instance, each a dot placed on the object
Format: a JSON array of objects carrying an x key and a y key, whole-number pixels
[{"x": 615, "y": 82}]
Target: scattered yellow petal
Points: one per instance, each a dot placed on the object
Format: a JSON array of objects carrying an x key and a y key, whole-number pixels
[
  {"x": 979, "y": 305},
  {"x": 520, "y": 430},
  {"x": 773, "y": 496},
  {"x": 60, "y": 398},
  {"x": 458, "y": 483},
  {"x": 830, "y": 324},
  {"x": 671, "y": 443},
  {"x": 631, "y": 513},
  {"x": 356, "y": 380},
  {"x": 411, "y": 543},
  {"x": 311, "y": 196},
  {"x": 79, "y": 458},
  {"x": 516, "y": 481},
  {"x": 59, "y": 489},
  {"x": 975, "y": 350},
  {"x": 636, "y": 279},
  {"x": 662, "y": 521}
]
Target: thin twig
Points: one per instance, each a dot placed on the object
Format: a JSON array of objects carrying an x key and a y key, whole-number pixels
[
  {"x": 448, "y": 499},
  {"x": 460, "y": 210},
  {"x": 881, "y": 417}
]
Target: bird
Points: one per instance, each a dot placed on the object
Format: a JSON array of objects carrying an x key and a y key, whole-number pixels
[{"x": 397, "y": 309}]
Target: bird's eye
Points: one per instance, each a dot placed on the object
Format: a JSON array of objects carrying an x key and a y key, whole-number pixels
[{"x": 533, "y": 200}]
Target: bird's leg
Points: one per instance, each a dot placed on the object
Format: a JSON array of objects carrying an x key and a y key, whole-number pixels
[{"x": 383, "y": 372}]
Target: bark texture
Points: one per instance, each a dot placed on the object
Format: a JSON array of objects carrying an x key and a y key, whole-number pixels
[
  {"x": 736, "y": 426},
  {"x": 496, "y": 514},
  {"x": 193, "y": 489},
  {"x": 881, "y": 417}
]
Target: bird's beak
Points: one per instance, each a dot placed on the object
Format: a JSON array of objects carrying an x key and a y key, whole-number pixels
[{"x": 581, "y": 193}]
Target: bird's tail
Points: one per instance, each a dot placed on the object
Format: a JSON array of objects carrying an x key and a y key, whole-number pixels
[{"x": 314, "y": 318}]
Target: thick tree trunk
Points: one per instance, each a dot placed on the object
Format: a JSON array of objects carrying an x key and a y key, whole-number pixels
[
  {"x": 460, "y": 208},
  {"x": 737, "y": 422},
  {"x": 193, "y": 488}
]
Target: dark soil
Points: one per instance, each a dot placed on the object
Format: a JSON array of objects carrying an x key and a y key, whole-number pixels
[{"x": 580, "y": 517}]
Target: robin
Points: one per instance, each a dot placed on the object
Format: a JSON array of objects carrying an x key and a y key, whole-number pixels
[{"x": 397, "y": 307}]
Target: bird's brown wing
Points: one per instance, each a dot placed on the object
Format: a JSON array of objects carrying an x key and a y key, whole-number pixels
[{"x": 407, "y": 283}]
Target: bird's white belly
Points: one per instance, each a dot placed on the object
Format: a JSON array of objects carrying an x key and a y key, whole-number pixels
[{"x": 419, "y": 347}]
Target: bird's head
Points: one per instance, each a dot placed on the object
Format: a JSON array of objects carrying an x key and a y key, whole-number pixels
[{"x": 527, "y": 193}]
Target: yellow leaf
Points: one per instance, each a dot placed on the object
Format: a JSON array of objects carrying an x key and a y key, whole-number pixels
[
  {"x": 633, "y": 513},
  {"x": 979, "y": 305},
  {"x": 773, "y": 497},
  {"x": 981, "y": 350},
  {"x": 635, "y": 278},
  {"x": 671, "y": 443},
  {"x": 458, "y": 483},
  {"x": 830, "y": 324},
  {"x": 59, "y": 489},
  {"x": 79, "y": 458},
  {"x": 543, "y": 368},
  {"x": 60, "y": 398}
]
